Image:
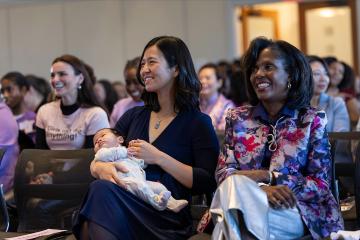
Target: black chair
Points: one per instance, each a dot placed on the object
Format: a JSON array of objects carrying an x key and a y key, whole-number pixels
[
  {"x": 71, "y": 178},
  {"x": 4, "y": 215},
  {"x": 347, "y": 144}
]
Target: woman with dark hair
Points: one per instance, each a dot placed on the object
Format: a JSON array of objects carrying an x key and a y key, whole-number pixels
[
  {"x": 274, "y": 167},
  {"x": 173, "y": 137},
  {"x": 133, "y": 87},
  {"x": 38, "y": 94},
  {"x": 14, "y": 87},
  {"x": 342, "y": 84},
  {"x": 106, "y": 94},
  {"x": 71, "y": 121},
  {"x": 212, "y": 102},
  {"x": 334, "y": 107}
]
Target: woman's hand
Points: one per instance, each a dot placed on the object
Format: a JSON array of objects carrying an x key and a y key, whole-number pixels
[
  {"x": 280, "y": 196},
  {"x": 256, "y": 175},
  {"x": 144, "y": 150},
  {"x": 108, "y": 171}
]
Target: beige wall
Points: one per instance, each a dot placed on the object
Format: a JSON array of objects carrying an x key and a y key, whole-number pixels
[{"x": 105, "y": 33}]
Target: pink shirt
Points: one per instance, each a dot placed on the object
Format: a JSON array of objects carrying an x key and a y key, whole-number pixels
[{"x": 121, "y": 107}]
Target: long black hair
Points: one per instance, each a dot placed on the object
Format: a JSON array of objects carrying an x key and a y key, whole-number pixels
[{"x": 187, "y": 84}]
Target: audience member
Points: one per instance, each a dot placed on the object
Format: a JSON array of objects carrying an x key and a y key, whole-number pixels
[
  {"x": 276, "y": 160},
  {"x": 14, "y": 88},
  {"x": 134, "y": 89},
  {"x": 120, "y": 89},
  {"x": 39, "y": 93},
  {"x": 238, "y": 94},
  {"x": 225, "y": 71},
  {"x": 173, "y": 137},
  {"x": 334, "y": 107},
  {"x": 105, "y": 94},
  {"x": 8, "y": 142},
  {"x": 71, "y": 121},
  {"x": 212, "y": 102},
  {"x": 342, "y": 84}
]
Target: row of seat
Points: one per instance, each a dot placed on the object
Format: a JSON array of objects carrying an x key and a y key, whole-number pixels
[{"x": 71, "y": 181}]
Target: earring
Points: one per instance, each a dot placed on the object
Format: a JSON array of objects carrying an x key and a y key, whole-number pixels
[
  {"x": 289, "y": 84},
  {"x": 79, "y": 87}
]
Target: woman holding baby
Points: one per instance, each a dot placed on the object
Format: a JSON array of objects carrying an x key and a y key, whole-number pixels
[{"x": 173, "y": 137}]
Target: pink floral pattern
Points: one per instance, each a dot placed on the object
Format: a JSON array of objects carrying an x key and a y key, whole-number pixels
[{"x": 301, "y": 161}]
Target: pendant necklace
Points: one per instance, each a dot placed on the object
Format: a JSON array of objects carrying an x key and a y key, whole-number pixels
[
  {"x": 157, "y": 124},
  {"x": 272, "y": 137}
]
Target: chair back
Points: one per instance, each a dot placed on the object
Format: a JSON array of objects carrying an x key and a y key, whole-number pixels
[
  {"x": 4, "y": 215},
  {"x": 347, "y": 144},
  {"x": 70, "y": 174}
]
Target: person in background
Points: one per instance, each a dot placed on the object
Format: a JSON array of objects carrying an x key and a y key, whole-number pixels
[
  {"x": 14, "y": 87},
  {"x": 212, "y": 102},
  {"x": 238, "y": 94},
  {"x": 9, "y": 144},
  {"x": 39, "y": 93},
  {"x": 225, "y": 70},
  {"x": 172, "y": 136},
  {"x": 72, "y": 120},
  {"x": 334, "y": 107},
  {"x": 134, "y": 89},
  {"x": 342, "y": 84},
  {"x": 120, "y": 89},
  {"x": 275, "y": 164},
  {"x": 106, "y": 94}
]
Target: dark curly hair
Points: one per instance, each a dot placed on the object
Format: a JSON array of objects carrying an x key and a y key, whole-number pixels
[
  {"x": 295, "y": 63},
  {"x": 86, "y": 96},
  {"x": 187, "y": 84}
]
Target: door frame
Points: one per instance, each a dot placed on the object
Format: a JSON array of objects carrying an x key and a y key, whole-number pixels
[{"x": 304, "y": 6}]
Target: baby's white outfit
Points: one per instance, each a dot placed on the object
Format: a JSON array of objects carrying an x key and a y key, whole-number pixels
[{"x": 151, "y": 192}]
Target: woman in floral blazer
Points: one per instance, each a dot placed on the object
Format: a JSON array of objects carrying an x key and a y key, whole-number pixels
[{"x": 281, "y": 143}]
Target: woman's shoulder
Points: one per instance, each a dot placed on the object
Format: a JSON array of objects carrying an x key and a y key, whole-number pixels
[
  {"x": 49, "y": 107},
  {"x": 242, "y": 112},
  {"x": 311, "y": 114}
]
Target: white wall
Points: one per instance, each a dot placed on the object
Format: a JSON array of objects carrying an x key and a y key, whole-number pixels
[{"x": 105, "y": 33}]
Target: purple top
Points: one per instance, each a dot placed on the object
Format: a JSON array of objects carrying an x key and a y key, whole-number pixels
[
  {"x": 121, "y": 107},
  {"x": 8, "y": 141}
]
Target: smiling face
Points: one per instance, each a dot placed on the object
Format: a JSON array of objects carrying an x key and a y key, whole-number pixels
[
  {"x": 105, "y": 138},
  {"x": 65, "y": 82},
  {"x": 12, "y": 93},
  {"x": 155, "y": 71},
  {"x": 210, "y": 83},
  {"x": 336, "y": 70},
  {"x": 320, "y": 76},
  {"x": 133, "y": 86},
  {"x": 269, "y": 78}
]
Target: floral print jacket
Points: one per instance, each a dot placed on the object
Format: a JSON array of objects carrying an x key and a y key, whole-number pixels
[{"x": 301, "y": 160}]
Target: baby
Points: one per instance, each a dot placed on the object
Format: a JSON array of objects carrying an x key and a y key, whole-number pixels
[{"x": 108, "y": 148}]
